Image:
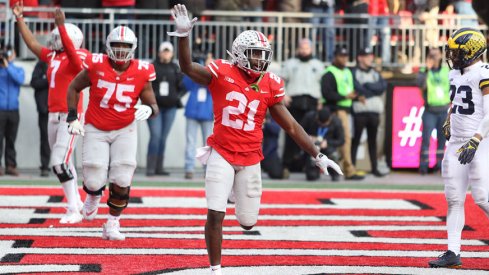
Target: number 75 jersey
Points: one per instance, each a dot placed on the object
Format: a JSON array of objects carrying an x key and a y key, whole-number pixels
[
  {"x": 466, "y": 96},
  {"x": 239, "y": 110}
]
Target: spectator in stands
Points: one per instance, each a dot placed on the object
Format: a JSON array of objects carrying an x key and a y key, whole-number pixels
[
  {"x": 290, "y": 6},
  {"x": 327, "y": 132},
  {"x": 40, "y": 84},
  {"x": 11, "y": 78},
  {"x": 426, "y": 12},
  {"x": 435, "y": 86},
  {"x": 370, "y": 86},
  {"x": 379, "y": 24},
  {"x": 238, "y": 5},
  {"x": 301, "y": 75},
  {"x": 463, "y": 7},
  {"x": 359, "y": 38},
  {"x": 198, "y": 112},
  {"x": 338, "y": 92},
  {"x": 271, "y": 163},
  {"x": 169, "y": 89},
  {"x": 93, "y": 4},
  {"x": 325, "y": 8},
  {"x": 120, "y": 4}
]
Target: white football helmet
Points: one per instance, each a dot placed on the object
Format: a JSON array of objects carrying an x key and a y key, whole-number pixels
[
  {"x": 251, "y": 52},
  {"x": 74, "y": 33},
  {"x": 121, "y": 34}
]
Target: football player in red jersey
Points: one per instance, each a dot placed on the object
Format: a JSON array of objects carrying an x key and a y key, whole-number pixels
[
  {"x": 64, "y": 59},
  {"x": 117, "y": 82},
  {"x": 242, "y": 91}
]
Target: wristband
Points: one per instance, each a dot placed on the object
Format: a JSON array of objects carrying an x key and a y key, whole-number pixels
[{"x": 72, "y": 115}]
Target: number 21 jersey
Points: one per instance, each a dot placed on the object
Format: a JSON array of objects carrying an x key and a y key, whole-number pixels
[{"x": 239, "y": 111}]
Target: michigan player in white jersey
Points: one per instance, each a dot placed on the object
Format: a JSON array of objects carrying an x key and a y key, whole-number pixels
[{"x": 466, "y": 159}]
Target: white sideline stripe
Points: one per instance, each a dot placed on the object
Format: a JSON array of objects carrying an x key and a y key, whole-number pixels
[
  {"x": 194, "y": 202},
  {"x": 294, "y": 270},
  {"x": 15, "y": 269},
  {"x": 239, "y": 252},
  {"x": 22, "y": 215},
  {"x": 271, "y": 233}
]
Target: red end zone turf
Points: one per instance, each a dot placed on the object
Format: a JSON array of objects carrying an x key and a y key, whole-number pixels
[{"x": 309, "y": 232}]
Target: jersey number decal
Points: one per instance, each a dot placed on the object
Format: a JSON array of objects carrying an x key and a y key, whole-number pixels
[
  {"x": 467, "y": 100},
  {"x": 55, "y": 65},
  {"x": 119, "y": 90},
  {"x": 243, "y": 104}
]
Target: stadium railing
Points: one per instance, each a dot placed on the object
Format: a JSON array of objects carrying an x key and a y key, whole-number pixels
[{"x": 407, "y": 40}]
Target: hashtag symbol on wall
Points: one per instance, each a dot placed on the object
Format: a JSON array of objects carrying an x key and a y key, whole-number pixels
[{"x": 412, "y": 129}]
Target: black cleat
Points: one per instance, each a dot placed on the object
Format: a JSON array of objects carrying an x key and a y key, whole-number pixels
[{"x": 447, "y": 260}]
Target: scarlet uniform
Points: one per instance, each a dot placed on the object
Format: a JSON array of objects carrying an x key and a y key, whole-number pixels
[
  {"x": 239, "y": 111},
  {"x": 60, "y": 72},
  {"x": 113, "y": 96}
]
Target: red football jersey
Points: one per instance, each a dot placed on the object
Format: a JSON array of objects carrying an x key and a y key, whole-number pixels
[
  {"x": 112, "y": 95},
  {"x": 60, "y": 73},
  {"x": 239, "y": 111}
]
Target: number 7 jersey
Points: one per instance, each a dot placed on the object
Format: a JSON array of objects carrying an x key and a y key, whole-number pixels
[
  {"x": 239, "y": 111},
  {"x": 466, "y": 96}
]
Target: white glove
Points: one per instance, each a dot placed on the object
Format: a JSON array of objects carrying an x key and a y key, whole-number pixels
[
  {"x": 143, "y": 112},
  {"x": 76, "y": 128},
  {"x": 182, "y": 22},
  {"x": 323, "y": 162}
]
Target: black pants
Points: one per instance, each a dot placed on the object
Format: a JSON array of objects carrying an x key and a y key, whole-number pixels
[
  {"x": 9, "y": 126},
  {"x": 371, "y": 122},
  {"x": 273, "y": 166},
  {"x": 44, "y": 149},
  {"x": 293, "y": 157}
]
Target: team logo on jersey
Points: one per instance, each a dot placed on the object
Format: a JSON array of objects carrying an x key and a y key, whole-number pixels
[{"x": 228, "y": 79}]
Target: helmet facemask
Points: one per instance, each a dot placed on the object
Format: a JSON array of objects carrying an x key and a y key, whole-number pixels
[
  {"x": 120, "y": 52},
  {"x": 258, "y": 59},
  {"x": 252, "y": 53},
  {"x": 455, "y": 58}
]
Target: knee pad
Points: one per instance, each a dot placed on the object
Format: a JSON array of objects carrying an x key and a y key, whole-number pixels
[
  {"x": 63, "y": 172},
  {"x": 93, "y": 193},
  {"x": 247, "y": 220},
  {"x": 94, "y": 176},
  {"x": 118, "y": 197},
  {"x": 122, "y": 174}
]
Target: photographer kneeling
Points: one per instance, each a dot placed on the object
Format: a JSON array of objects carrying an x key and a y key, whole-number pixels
[{"x": 327, "y": 133}]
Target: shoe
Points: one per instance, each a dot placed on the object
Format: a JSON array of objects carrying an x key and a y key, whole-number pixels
[
  {"x": 378, "y": 174},
  {"x": 189, "y": 175},
  {"x": 90, "y": 207},
  {"x": 44, "y": 173},
  {"x": 447, "y": 260},
  {"x": 111, "y": 231},
  {"x": 71, "y": 216},
  {"x": 162, "y": 173},
  {"x": 355, "y": 177},
  {"x": 12, "y": 171}
]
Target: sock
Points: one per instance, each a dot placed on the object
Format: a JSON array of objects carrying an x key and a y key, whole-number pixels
[
  {"x": 70, "y": 193},
  {"x": 216, "y": 269},
  {"x": 113, "y": 218}
]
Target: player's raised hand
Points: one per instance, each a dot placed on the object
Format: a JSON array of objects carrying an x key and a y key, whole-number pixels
[
  {"x": 76, "y": 128},
  {"x": 59, "y": 17},
  {"x": 143, "y": 112},
  {"x": 18, "y": 9},
  {"x": 182, "y": 21},
  {"x": 467, "y": 151},
  {"x": 323, "y": 162}
]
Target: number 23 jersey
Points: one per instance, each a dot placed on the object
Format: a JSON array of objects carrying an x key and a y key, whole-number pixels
[
  {"x": 239, "y": 111},
  {"x": 112, "y": 95},
  {"x": 466, "y": 96}
]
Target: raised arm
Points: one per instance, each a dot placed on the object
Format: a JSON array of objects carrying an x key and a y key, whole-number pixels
[
  {"x": 282, "y": 116},
  {"x": 184, "y": 25},
  {"x": 26, "y": 34},
  {"x": 69, "y": 48}
]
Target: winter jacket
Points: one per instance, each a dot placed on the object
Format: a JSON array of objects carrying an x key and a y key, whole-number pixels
[
  {"x": 171, "y": 74},
  {"x": 40, "y": 83},
  {"x": 11, "y": 78},
  {"x": 199, "y": 104}
]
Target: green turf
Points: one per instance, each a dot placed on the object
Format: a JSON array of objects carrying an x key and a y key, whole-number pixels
[{"x": 266, "y": 184}]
